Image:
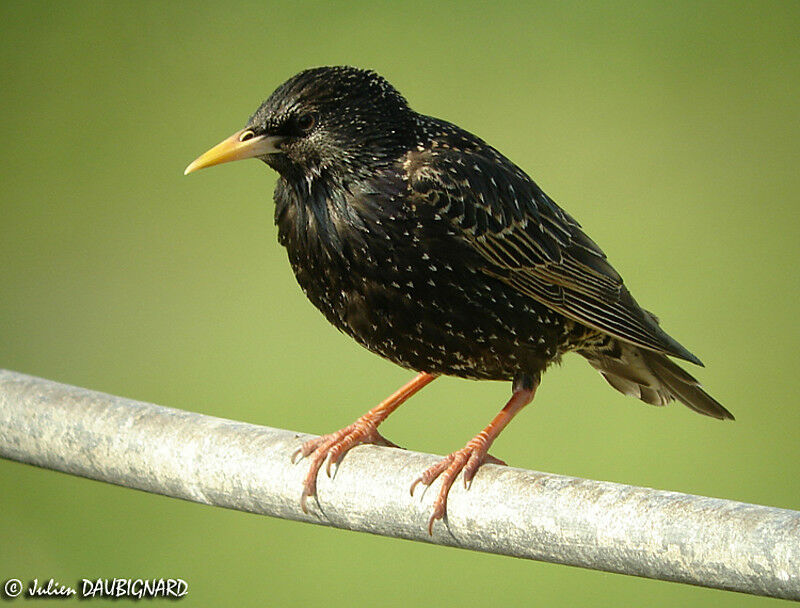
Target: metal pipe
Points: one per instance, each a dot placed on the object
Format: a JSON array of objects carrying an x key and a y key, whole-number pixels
[{"x": 592, "y": 524}]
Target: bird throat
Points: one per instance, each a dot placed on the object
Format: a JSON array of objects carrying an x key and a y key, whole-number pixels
[{"x": 310, "y": 212}]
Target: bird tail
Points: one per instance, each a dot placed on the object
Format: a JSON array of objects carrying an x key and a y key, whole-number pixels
[{"x": 652, "y": 377}]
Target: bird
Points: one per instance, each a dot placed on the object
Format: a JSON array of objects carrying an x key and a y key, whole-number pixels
[{"x": 433, "y": 250}]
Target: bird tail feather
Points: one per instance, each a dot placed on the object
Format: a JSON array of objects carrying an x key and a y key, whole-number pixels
[{"x": 653, "y": 378}]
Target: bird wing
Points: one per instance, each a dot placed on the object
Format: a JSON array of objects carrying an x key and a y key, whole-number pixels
[{"x": 528, "y": 241}]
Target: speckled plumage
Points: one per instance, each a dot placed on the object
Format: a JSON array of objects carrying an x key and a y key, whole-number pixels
[{"x": 430, "y": 248}]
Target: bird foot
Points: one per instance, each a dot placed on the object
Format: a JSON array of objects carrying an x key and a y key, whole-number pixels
[
  {"x": 468, "y": 459},
  {"x": 333, "y": 447}
]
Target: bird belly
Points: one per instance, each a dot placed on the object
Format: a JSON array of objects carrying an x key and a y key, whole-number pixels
[{"x": 429, "y": 314}]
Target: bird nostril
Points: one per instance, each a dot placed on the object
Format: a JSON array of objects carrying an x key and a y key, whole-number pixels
[{"x": 248, "y": 134}]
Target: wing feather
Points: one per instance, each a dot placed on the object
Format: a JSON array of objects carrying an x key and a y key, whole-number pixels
[{"x": 529, "y": 242}]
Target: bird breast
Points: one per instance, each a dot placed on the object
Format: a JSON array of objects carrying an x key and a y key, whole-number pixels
[{"x": 398, "y": 279}]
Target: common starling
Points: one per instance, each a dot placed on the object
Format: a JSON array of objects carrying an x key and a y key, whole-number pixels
[{"x": 432, "y": 249}]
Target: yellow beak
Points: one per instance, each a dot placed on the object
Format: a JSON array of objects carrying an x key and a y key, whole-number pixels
[{"x": 240, "y": 145}]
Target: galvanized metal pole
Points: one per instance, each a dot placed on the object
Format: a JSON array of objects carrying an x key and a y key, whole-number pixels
[{"x": 592, "y": 524}]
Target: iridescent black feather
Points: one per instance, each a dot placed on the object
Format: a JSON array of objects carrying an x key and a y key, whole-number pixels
[{"x": 430, "y": 248}]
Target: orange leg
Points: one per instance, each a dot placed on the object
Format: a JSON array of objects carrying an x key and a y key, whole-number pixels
[
  {"x": 475, "y": 453},
  {"x": 363, "y": 430}
]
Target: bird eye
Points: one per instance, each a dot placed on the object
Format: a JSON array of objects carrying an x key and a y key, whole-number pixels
[{"x": 306, "y": 121}]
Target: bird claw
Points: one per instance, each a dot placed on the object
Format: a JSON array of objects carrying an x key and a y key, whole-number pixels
[
  {"x": 467, "y": 460},
  {"x": 333, "y": 447},
  {"x": 310, "y": 446},
  {"x": 363, "y": 430},
  {"x": 334, "y": 456},
  {"x": 296, "y": 453},
  {"x": 489, "y": 459}
]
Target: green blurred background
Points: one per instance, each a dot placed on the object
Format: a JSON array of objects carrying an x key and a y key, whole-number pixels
[{"x": 670, "y": 132}]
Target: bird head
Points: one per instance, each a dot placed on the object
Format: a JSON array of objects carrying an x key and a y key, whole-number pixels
[{"x": 328, "y": 119}]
